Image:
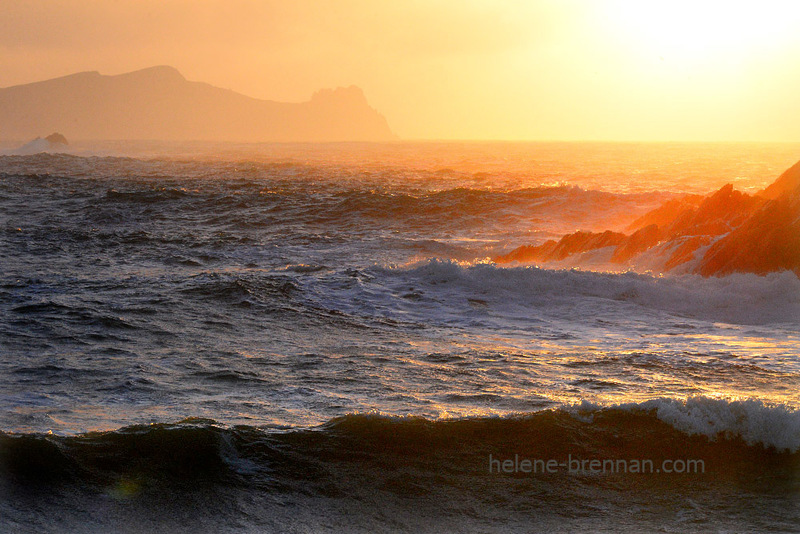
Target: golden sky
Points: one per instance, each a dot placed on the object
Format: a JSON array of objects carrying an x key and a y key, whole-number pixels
[{"x": 453, "y": 69}]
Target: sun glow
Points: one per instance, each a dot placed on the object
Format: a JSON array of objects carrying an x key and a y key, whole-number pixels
[
  {"x": 622, "y": 70},
  {"x": 701, "y": 31}
]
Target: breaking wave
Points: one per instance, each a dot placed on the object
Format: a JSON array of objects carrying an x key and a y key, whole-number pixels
[
  {"x": 725, "y": 433},
  {"x": 736, "y": 298}
]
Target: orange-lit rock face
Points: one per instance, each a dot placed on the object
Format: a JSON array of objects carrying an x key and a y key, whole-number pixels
[
  {"x": 567, "y": 246},
  {"x": 741, "y": 233},
  {"x": 787, "y": 184},
  {"x": 637, "y": 243},
  {"x": 718, "y": 214},
  {"x": 686, "y": 250},
  {"x": 667, "y": 212},
  {"x": 768, "y": 241}
]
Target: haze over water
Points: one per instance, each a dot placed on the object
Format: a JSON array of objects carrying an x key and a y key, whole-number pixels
[
  {"x": 245, "y": 287},
  {"x": 319, "y": 315}
]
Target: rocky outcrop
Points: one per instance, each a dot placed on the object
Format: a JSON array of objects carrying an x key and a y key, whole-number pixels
[
  {"x": 767, "y": 241},
  {"x": 726, "y": 232},
  {"x": 54, "y": 142},
  {"x": 568, "y": 245},
  {"x": 56, "y": 139},
  {"x": 786, "y": 184}
]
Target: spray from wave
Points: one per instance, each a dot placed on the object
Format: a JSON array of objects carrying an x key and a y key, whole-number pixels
[{"x": 738, "y": 298}]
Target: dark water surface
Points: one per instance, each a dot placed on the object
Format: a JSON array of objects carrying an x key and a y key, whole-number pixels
[{"x": 315, "y": 340}]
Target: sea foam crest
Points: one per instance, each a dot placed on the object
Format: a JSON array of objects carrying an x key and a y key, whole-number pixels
[
  {"x": 741, "y": 298},
  {"x": 752, "y": 420},
  {"x": 755, "y": 422}
]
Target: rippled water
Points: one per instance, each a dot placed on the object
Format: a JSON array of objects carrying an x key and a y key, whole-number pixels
[{"x": 256, "y": 293}]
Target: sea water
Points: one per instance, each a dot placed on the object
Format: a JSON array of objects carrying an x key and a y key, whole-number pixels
[{"x": 313, "y": 338}]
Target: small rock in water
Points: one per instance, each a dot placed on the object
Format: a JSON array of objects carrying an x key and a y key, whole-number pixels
[{"x": 56, "y": 139}]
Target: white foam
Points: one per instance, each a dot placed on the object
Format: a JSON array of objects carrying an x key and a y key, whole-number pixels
[
  {"x": 751, "y": 420},
  {"x": 737, "y": 298},
  {"x": 38, "y": 146}
]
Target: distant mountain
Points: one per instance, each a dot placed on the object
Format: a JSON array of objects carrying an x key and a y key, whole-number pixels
[
  {"x": 723, "y": 233},
  {"x": 158, "y": 103}
]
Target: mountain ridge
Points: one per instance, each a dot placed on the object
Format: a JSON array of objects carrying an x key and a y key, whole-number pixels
[{"x": 159, "y": 103}]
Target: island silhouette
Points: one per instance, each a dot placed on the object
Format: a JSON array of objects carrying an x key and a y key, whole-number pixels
[{"x": 158, "y": 103}]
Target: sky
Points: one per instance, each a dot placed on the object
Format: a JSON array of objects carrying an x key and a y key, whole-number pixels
[{"x": 625, "y": 70}]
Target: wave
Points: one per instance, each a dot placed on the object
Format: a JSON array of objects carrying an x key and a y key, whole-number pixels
[
  {"x": 736, "y": 298},
  {"x": 724, "y": 432},
  {"x": 310, "y": 194},
  {"x": 239, "y": 287},
  {"x": 751, "y": 420},
  {"x": 159, "y": 194},
  {"x": 371, "y": 472}
]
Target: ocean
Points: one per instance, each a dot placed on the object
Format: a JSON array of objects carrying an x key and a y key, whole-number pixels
[{"x": 314, "y": 338}]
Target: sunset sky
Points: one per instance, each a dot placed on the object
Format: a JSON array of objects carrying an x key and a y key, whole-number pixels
[{"x": 453, "y": 69}]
